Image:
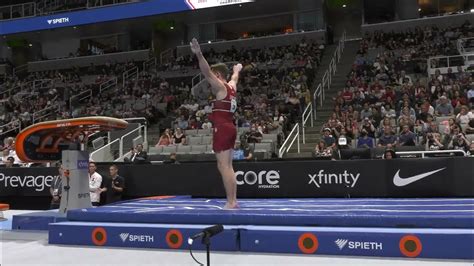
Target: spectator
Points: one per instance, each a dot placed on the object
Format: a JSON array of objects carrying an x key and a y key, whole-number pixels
[
  {"x": 139, "y": 155},
  {"x": 407, "y": 137},
  {"x": 470, "y": 95},
  {"x": 470, "y": 127},
  {"x": 242, "y": 152},
  {"x": 389, "y": 154},
  {"x": 459, "y": 142},
  {"x": 56, "y": 188},
  {"x": 5, "y": 155},
  {"x": 95, "y": 181},
  {"x": 114, "y": 185},
  {"x": 172, "y": 159},
  {"x": 444, "y": 107},
  {"x": 182, "y": 122},
  {"x": 366, "y": 112},
  {"x": 328, "y": 138},
  {"x": 433, "y": 142},
  {"x": 207, "y": 124},
  {"x": 322, "y": 150},
  {"x": 368, "y": 127},
  {"x": 344, "y": 141},
  {"x": 10, "y": 162},
  {"x": 179, "y": 137},
  {"x": 464, "y": 116},
  {"x": 471, "y": 149},
  {"x": 165, "y": 139},
  {"x": 387, "y": 137},
  {"x": 254, "y": 136},
  {"x": 364, "y": 140}
]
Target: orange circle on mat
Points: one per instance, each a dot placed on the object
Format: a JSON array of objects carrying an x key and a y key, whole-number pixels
[
  {"x": 174, "y": 239},
  {"x": 410, "y": 246},
  {"x": 99, "y": 236},
  {"x": 308, "y": 243},
  {"x": 4, "y": 207}
]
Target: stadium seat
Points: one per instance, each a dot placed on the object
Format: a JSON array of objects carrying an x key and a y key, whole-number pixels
[
  {"x": 265, "y": 147},
  {"x": 272, "y": 137},
  {"x": 168, "y": 149},
  {"x": 195, "y": 140},
  {"x": 183, "y": 149},
  {"x": 206, "y": 140},
  {"x": 190, "y": 132},
  {"x": 155, "y": 150},
  {"x": 198, "y": 148},
  {"x": 204, "y": 132}
]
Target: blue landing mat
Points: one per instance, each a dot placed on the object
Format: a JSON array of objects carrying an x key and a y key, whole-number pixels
[
  {"x": 406, "y": 213},
  {"x": 36, "y": 220}
]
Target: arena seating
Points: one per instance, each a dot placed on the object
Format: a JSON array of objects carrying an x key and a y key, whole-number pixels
[{"x": 392, "y": 64}]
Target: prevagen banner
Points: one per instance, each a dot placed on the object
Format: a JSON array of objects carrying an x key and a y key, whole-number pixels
[{"x": 109, "y": 13}]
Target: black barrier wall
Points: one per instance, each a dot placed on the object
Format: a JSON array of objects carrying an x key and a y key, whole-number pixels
[{"x": 430, "y": 177}]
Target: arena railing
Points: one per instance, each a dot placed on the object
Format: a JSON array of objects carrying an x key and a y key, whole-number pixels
[
  {"x": 24, "y": 10},
  {"x": 116, "y": 149},
  {"x": 403, "y": 25},
  {"x": 443, "y": 63},
  {"x": 108, "y": 84},
  {"x": 319, "y": 92},
  {"x": 13, "y": 126},
  {"x": 86, "y": 61},
  {"x": 307, "y": 115},
  {"x": 84, "y": 95},
  {"x": 32, "y": 9},
  {"x": 166, "y": 56},
  {"x": 256, "y": 42},
  {"x": 44, "y": 113},
  {"x": 20, "y": 69},
  {"x": 139, "y": 131},
  {"x": 132, "y": 72},
  {"x": 292, "y": 137},
  {"x": 106, "y": 153},
  {"x": 150, "y": 63},
  {"x": 143, "y": 122},
  {"x": 424, "y": 153}
]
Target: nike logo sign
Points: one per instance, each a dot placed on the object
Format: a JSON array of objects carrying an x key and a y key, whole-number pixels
[{"x": 401, "y": 182}]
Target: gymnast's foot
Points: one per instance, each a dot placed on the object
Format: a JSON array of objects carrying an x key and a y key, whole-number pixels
[{"x": 231, "y": 206}]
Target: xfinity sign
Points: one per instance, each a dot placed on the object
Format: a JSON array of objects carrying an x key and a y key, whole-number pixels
[
  {"x": 264, "y": 179},
  {"x": 58, "y": 21},
  {"x": 38, "y": 183},
  {"x": 321, "y": 178}
]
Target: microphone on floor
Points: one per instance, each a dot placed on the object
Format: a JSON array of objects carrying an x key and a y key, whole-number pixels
[{"x": 207, "y": 232}]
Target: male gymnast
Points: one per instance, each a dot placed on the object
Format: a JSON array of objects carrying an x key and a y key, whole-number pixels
[{"x": 224, "y": 133}]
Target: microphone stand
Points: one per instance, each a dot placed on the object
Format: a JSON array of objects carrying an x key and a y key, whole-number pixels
[{"x": 206, "y": 240}]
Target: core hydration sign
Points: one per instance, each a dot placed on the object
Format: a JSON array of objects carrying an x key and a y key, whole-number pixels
[{"x": 109, "y": 13}]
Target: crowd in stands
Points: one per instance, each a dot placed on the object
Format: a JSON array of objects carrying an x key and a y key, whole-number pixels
[
  {"x": 384, "y": 106},
  {"x": 273, "y": 91}
]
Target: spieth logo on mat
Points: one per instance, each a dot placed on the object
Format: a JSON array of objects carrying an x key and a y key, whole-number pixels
[
  {"x": 358, "y": 245},
  {"x": 136, "y": 238},
  {"x": 321, "y": 178},
  {"x": 58, "y": 21},
  {"x": 264, "y": 179},
  {"x": 341, "y": 243}
]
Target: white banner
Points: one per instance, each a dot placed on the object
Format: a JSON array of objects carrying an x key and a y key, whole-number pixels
[{"x": 198, "y": 4}]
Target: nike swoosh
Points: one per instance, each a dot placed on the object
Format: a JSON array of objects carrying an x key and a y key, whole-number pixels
[{"x": 401, "y": 182}]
